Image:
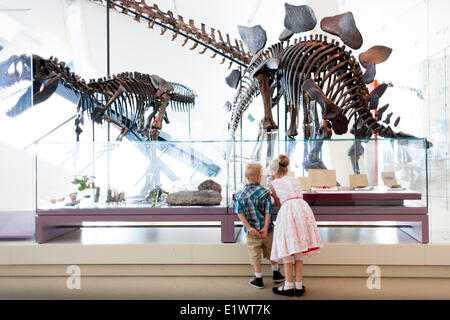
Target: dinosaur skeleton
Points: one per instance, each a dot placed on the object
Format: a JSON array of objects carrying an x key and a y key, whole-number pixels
[
  {"x": 311, "y": 73},
  {"x": 167, "y": 21},
  {"x": 126, "y": 99}
]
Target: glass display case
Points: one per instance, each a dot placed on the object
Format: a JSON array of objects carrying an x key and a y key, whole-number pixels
[
  {"x": 371, "y": 162},
  {"x": 195, "y": 181},
  {"x": 121, "y": 174}
]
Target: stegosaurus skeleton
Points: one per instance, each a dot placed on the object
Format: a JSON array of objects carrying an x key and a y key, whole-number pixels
[{"x": 314, "y": 72}]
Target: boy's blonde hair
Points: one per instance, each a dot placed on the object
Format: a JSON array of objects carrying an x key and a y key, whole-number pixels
[{"x": 252, "y": 170}]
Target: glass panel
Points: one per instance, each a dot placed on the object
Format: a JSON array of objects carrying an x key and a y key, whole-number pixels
[
  {"x": 16, "y": 216},
  {"x": 405, "y": 157},
  {"x": 436, "y": 115},
  {"x": 136, "y": 169}
]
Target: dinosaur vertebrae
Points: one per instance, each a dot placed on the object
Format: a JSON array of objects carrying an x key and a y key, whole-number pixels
[
  {"x": 140, "y": 9},
  {"x": 248, "y": 91}
]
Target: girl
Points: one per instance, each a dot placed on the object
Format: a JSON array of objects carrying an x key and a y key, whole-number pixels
[{"x": 296, "y": 234}]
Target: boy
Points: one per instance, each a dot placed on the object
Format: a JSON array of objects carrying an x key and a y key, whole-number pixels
[{"x": 253, "y": 206}]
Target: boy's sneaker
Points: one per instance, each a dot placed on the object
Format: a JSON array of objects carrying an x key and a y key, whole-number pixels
[
  {"x": 277, "y": 276},
  {"x": 257, "y": 283}
]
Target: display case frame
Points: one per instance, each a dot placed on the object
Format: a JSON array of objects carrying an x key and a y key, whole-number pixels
[{"x": 406, "y": 209}]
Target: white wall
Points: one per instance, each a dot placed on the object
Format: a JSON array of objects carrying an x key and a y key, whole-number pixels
[{"x": 17, "y": 187}]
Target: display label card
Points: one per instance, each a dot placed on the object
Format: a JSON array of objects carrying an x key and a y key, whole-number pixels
[
  {"x": 306, "y": 183},
  {"x": 389, "y": 179},
  {"x": 359, "y": 180},
  {"x": 322, "y": 178}
]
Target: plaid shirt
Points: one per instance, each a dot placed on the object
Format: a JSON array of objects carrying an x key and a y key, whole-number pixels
[{"x": 254, "y": 202}]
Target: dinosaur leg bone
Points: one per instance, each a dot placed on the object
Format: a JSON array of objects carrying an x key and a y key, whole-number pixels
[
  {"x": 124, "y": 130},
  {"x": 329, "y": 109},
  {"x": 313, "y": 160},
  {"x": 157, "y": 123},
  {"x": 79, "y": 120},
  {"x": 355, "y": 152},
  {"x": 268, "y": 122},
  {"x": 99, "y": 113},
  {"x": 293, "y": 110}
]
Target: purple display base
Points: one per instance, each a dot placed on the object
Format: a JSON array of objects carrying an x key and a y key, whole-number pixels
[
  {"x": 16, "y": 224},
  {"x": 382, "y": 206},
  {"x": 53, "y": 223}
]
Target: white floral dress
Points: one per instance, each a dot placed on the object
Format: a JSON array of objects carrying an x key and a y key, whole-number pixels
[{"x": 296, "y": 231}]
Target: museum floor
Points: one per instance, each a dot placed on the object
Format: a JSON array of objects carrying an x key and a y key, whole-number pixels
[
  {"x": 161, "y": 262},
  {"x": 218, "y": 288}
]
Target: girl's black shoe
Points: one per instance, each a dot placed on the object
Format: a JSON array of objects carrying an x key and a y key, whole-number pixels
[
  {"x": 299, "y": 293},
  {"x": 281, "y": 291}
]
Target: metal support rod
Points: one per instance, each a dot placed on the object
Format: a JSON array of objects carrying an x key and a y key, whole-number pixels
[
  {"x": 240, "y": 126},
  {"x": 51, "y": 131},
  {"x": 278, "y": 114},
  {"x": 108, "y": 70}
]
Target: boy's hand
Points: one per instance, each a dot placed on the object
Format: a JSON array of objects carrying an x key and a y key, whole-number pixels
[
  {"x": 254, "y": 232},
  {"x": 263, "y": 233}
]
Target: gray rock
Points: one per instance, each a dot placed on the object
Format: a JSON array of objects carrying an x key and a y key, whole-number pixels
[
  {"x": 299, "y": 18},
  {"x": 194, "y": 198},
  {"x": 233, "y": 79},
  {"x": 285, "y": 35},
  {"x": 254, "y": 38},
  {"x": 210, "y": 185}
]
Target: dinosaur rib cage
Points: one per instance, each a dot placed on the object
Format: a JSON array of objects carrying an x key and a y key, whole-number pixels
[
  {"x": 331, "y": 67},
  {"x": 181, "y": 98},
  {"x": 136, "y": 100}
]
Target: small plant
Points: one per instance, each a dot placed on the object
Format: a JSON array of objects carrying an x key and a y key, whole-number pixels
[
  {"x": 85, "y": 182},
  {"x": 155, "y": 195}
]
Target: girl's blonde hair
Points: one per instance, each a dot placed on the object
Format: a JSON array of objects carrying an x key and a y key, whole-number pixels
[{"x": 280, "y": 165}]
